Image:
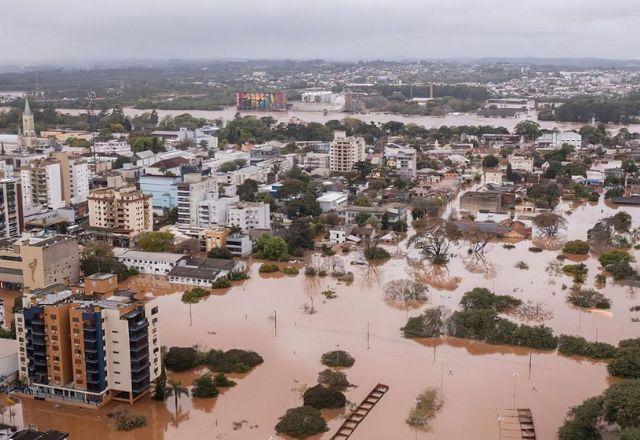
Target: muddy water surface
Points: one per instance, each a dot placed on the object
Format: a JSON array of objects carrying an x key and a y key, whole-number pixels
[{"x": 476, "y": 379}]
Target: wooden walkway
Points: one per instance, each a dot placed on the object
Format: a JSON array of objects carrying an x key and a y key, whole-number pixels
[
  {"x": 357, "y": 416},
  {"x": 516, "y": 424}
]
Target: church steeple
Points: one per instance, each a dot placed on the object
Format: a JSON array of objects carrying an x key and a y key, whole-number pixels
[{"x": 29, "y": 137}]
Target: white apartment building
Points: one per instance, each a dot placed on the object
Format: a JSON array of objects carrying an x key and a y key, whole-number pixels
[
  {"x": 524, "y": 163},
  {"x": 75, "y": 176},
  {"x": 402, "y": 159},
  {"x": 121, "y": 148},
  {"x": 557, "y": 139},
  {"x": 213, "y": 212},
  {"x": 249, "y": 215},
  {"x": 41, "y": 185},
  {"x": 345, "y": 151},
  {"x": 10, "y": 213},
  {"x": 190, "y": 193}
]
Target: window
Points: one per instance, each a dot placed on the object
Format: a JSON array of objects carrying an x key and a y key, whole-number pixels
[{"x": 154, "y": 310}]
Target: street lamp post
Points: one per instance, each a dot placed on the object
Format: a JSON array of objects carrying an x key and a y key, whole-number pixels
[{"x": 515, "y": 375}]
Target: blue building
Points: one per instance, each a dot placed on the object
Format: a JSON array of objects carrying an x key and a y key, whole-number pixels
[{"x": 163, "y": 189}]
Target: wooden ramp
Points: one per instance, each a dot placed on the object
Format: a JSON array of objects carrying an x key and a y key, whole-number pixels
[
  {"x": 357, "y": 416},
  {"x": 516, "y": 424}
]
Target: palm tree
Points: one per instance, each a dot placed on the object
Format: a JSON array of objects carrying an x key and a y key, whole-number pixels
[{"x": 176, "y": 390}]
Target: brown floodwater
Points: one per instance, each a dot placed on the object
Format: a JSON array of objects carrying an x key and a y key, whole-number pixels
[
  {"x": 477, "y": 380},
  {"x": 451, "y": 119}
]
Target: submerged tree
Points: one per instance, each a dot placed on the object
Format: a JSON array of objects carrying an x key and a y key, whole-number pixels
[
  {"x": 549, "y": 224},
  {"x": 433, "y": 243}
]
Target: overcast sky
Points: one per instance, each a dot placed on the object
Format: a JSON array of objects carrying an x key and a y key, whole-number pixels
[{"x": 75, "y": 30}]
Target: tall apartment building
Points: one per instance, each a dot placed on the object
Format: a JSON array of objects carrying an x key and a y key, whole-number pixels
[
  {"x": 85, "y": 350},
  {"x": 249, "y": 215},
  {"x": 41, "y": 184},
  {"x": 74, "y": 175},
  {"x": 191, "y": 192},
  {"x": 10, "y": 208},
  {"x": 345, "y": 151},
  {"x": 123, "y": 213}
]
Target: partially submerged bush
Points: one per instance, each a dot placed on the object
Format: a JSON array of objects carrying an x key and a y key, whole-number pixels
[
  {"x": 194, "y": 295},
  {"x": 428, "y": 325},
  {"x": 376, "y": 252},
  {"x": 588, "y": 298},
  {"x": 581, "y": 422},
  {"x": 322, "y": 397},
  {"x": 577, "y": 247},
  {"x": 290, "y": 270},
  {"x": 125, "y": 420},
  {"x": 268, "y": 268},
  {"x": 618, "y": 264},
  {"x": 577, "y": 271},
  {"x": 302, "y": 422},
  {"x": 237, "y": 275},
  {"x": 329, "y": 294},
  {"x": 626, "y": 361},
  {"x": 579, "y": 346},
  {"x": 337, "y": 358},
  {"x": 482, "y": 298},
  {"x": 485, "y": 325},
  {"x": 181, "y": 358},
  {"x": 336, "y": 380},
  {"x": 232, "y": 361},
  {"x": 204, "y": 387},
  {"x": 310, "y": 271},
  {"x": 220, "y": 380},
  {"x": 522, "y": 265},
  {"x": 428, "y": 403},
  {"x": 405, "y": 291},
  {"x": 221, "y": 283}
]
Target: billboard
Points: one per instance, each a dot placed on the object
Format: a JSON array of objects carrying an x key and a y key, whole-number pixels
[{"x": 265, "y": 101}]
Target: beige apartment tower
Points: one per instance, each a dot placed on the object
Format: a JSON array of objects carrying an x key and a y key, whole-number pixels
[
  {"x": 345, "y": 151},
  {"x": 123, "y": 213}
]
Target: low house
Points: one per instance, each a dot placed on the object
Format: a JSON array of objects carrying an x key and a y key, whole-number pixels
[
  {"x": 155, "y": 263},
  {"x": 332, "y": 200},
  {"x": 337, "y": 236},
  {"x": 393, "y": 211},
  {"x": 518, "y": 230},
  {"x": 197, "y": 271}
]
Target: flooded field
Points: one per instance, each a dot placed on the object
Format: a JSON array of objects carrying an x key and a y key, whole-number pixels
[{"x": 477, "y": 380}]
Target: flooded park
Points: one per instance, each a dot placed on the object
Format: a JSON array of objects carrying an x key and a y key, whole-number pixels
[{"x": 287, "y": 320}]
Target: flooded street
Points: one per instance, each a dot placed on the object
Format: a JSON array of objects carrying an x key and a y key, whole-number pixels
[{"x": 477, "y": 379}]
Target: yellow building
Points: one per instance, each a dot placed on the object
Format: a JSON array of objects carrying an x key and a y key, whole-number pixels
[{"x": 122, "y": 213}]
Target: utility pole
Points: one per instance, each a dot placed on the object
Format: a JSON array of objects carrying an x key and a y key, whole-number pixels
[
  {"x": 368, "y": 337},
  {"x": 190, "y": 321},
  {"x": 275, "y": 323}
]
